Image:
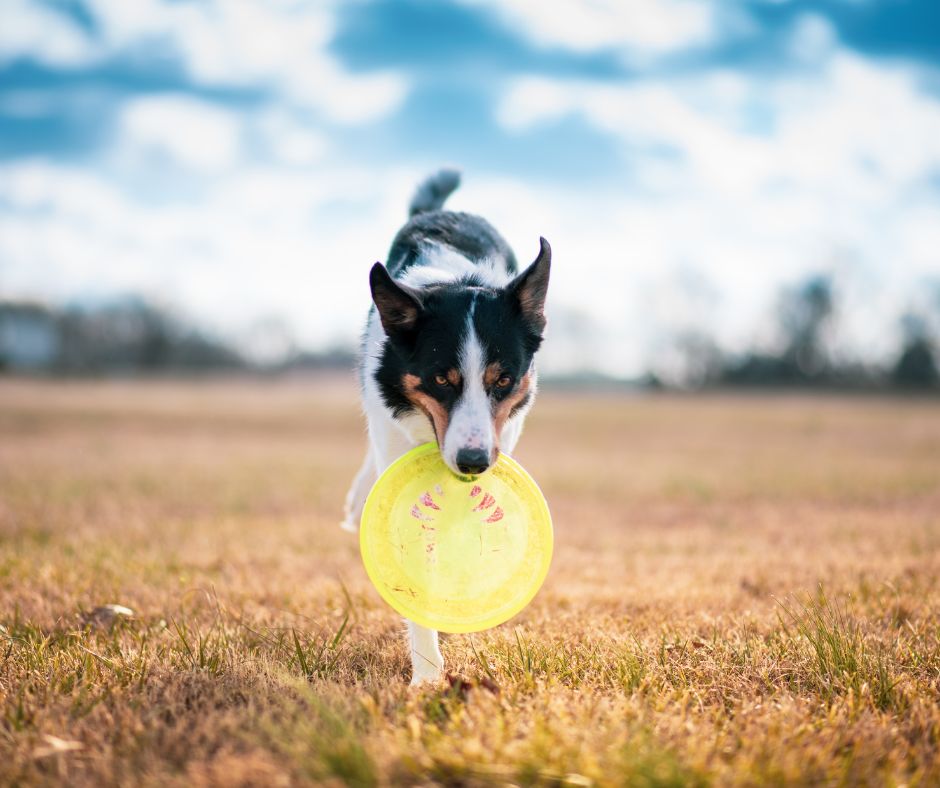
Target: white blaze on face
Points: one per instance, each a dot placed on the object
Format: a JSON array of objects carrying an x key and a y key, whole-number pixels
[{"x": 471, "y": 420}]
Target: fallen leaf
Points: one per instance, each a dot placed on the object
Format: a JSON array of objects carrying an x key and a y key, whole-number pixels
[
  {"x": 460, "y": 686},
  {"x": 576, "y": 780}
]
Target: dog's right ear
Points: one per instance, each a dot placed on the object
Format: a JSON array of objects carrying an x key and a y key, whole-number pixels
[{"x": 399, "y": 306}]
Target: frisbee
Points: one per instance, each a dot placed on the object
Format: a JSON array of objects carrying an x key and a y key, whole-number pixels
[{"x": 455, "y": 553}]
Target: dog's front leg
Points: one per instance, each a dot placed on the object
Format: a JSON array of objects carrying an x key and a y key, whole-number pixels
[{"x": 427, "y": 663}]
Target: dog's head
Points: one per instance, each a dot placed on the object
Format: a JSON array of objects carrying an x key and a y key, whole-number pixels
[{"x": 461, "y": 353}]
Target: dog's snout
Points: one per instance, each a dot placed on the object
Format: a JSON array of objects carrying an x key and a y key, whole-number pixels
[{"x": 473, "y": 461}]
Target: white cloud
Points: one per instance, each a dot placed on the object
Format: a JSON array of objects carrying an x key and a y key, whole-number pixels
[
  {"x": 290, "y": 141},
  {"x": 643, "y": 26},
  {"x": 852, "y": 129},
  {"x": 837, "y": 164},
  {"x": 812, "y": 38},
  {"x": 202, "y": 138},
  {"x": 32, "y": 30},
  {"x": 281, "y": 46},
  {"x": 192, "y": 133},
  {"x": 258, "y": 242}
]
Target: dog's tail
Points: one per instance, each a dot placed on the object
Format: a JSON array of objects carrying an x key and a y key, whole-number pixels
[{"x": 434, "y": 191}]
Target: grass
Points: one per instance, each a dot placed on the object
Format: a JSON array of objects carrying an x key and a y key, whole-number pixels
[
  {"x": 842, "y": 660},
  {"x": 744, "y": 591}
]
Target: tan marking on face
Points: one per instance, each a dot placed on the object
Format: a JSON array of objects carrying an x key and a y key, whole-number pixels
[
  {"x": 453, "y": 377},
  {"x": 427, "y": 405},
  {"x": 504, "y": 408},
  {"x": 491, "y": 374}
]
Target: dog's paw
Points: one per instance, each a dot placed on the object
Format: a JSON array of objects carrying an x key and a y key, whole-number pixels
[
  {"x": 424, "y": 677},
  {"x": 348, "y": 525}
]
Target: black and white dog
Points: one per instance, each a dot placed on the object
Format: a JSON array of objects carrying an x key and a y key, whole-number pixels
[{"x": 447, "y": 354}]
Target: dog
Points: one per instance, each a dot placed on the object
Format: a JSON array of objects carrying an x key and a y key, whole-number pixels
[{"x": 447, "y": 354}]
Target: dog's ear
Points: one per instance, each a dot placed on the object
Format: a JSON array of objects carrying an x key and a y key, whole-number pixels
[
  {"x": 531, "y": 286},
  {"x": 399, "y": 306}
]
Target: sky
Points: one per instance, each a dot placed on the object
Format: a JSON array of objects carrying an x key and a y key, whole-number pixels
[{"x": 247, "y": 162}]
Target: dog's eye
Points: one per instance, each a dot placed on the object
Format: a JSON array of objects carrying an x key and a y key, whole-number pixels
[
  {"x": 504, "y": 382},
  {"x": 441, "y": 380}
]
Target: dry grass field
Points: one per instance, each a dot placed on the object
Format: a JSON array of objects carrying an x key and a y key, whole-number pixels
[{"x": 744, "y": 591}]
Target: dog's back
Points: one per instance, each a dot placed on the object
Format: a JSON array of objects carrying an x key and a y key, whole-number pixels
[{"x": 470, "y": 236}]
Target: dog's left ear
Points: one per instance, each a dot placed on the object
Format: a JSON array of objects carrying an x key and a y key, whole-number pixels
[{"x": 531, "y": 287}]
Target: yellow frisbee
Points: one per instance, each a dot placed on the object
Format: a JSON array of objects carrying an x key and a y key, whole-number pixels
[{"x": 451, "y": 553}]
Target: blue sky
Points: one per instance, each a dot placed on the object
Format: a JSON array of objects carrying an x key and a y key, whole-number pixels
[{"x": 248, "y": 161}]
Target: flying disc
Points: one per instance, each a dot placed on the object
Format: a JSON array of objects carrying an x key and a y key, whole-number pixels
[{"x": 457, "y": 554}]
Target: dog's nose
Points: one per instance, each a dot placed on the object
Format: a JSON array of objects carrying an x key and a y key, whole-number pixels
[{"x": 473, "y": 461}]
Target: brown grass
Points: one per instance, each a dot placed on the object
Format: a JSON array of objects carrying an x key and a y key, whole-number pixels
[{"x": 744, "y": 591}]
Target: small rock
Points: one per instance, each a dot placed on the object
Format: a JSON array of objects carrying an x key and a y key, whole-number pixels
[{"x": 105, "y": 616}]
